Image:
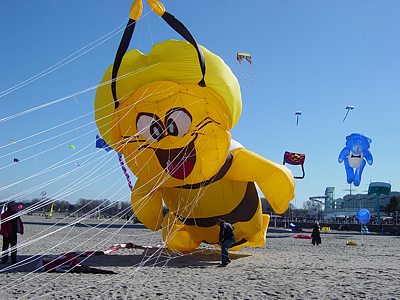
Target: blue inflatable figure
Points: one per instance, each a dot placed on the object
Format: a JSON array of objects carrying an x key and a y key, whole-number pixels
[
  {"x": 100, "y": 143},
  {"x": 363, "y": 216},
  {"x": 354, "y": 156}
]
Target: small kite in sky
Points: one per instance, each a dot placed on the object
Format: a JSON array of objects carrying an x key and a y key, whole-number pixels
[
  {"x": 349, "y": 108},
  {"x": 241, "y": 55},
  {"x": 292, "y": 158},
  {"x": 298, "y": 114}
]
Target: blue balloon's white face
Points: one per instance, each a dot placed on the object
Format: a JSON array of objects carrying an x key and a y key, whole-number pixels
[
  {"x": 357, "y": 145},
  {"x": 355, "y": 160}
]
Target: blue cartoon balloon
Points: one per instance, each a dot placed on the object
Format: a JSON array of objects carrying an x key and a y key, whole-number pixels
[
  {"x": 363, "y": 216},
  {"x": 354, "y": 156}
]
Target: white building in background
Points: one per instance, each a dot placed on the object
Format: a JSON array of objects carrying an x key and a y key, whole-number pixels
[{"x": 378, "y": 197}]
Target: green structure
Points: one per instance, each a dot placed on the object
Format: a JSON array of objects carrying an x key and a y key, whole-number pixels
[
  {"x": 379, "y": 188},
  {"x": 330, "y": 198}
]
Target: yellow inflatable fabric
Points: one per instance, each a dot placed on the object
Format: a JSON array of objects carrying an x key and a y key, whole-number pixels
[
  {"x": 175, "y": 138},
  {"x": 349, "y": 243}
]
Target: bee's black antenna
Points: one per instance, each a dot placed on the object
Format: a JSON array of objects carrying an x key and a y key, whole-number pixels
[
  {"x": 184, "y": 32},
  {"x": 158, "y": 8},
  {"x": 135, "y": 12}
]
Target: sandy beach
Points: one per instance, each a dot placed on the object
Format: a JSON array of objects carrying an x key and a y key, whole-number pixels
[{"x": 286, "y": 268}]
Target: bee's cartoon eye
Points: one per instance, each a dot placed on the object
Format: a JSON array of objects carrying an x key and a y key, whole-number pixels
[
  {"x": 178, "y": 121},
  {"x": 150, "y": 127}
]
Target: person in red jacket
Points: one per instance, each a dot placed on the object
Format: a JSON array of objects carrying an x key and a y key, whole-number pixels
[{"x": 9, "y": 230}]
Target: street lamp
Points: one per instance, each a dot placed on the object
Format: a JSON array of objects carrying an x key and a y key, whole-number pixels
[{"x": 350, "y": 190}]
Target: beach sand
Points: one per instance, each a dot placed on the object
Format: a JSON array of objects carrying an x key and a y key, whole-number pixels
[{"x": 286, "y": 268}]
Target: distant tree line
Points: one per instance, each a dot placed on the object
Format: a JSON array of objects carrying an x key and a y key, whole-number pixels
[
  {"x": 309, "y": 210},
  {"x": 393, "y": 205},
  {"x": 101, "y": 207},
  {"x": 105, "y": 207}
]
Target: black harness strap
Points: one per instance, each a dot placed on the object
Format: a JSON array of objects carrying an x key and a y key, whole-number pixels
[
  {"x": 127, "y": 36},
  {"x": 123, "y": 46},
  {"x": 184, "y": 32}
]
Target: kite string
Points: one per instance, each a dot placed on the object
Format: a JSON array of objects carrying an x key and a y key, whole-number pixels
[
  {"x": 80, "y": 52},
  {"x": 62, "y": 62},
  {"x": 58, "y": 100}
]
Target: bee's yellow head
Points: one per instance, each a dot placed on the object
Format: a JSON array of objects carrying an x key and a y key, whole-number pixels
[{"x": 166, "y": 125}]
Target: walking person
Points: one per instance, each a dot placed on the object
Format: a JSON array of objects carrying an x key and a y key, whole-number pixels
[
  {"x": 226, "y": 240},
  {"x": 316, "y": 235},
  {"x": 9, "y": 230}
]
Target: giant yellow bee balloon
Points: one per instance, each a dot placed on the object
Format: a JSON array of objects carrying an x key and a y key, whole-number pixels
[{"x": 169, "y": 112}]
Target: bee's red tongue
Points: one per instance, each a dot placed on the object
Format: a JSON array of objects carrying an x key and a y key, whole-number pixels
[
  {"x": 180, "y": 170},
  {"x": 178, "y": 162}
]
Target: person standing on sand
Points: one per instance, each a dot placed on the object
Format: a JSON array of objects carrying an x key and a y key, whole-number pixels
[
  {"x": 9, "y": 230},
  {"x": 226, "y": 240},
  {"x": 316, "y": 235}
]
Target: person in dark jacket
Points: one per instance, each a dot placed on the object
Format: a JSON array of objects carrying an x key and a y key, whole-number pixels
[
  {"x": 226, "y": 240},
  {"x": 316, "y": 236},
  {"x": 9, "y": 230}
]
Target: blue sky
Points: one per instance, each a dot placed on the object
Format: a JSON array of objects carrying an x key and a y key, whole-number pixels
[{"x": 315, "y": 56}]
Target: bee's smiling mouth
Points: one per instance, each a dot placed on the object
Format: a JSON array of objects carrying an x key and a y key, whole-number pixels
[{"x": 179, "y": 163}]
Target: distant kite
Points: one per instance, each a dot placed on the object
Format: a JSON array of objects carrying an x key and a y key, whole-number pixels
[
  {"x": 298, "y": 114},
  {"x": 247, "y": 75},
  {"x": 349, "y": 108},
  {"x": 72, "y": 147},
  {"x": 292, "y": 158},
  {"x": 100, "y": 143},
  {"x": 16, "y": 160},
  {"x": 241, "y": 55}
]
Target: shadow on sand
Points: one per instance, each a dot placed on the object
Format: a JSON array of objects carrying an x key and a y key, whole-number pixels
[{"x": 148, "y": 258}]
